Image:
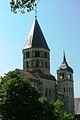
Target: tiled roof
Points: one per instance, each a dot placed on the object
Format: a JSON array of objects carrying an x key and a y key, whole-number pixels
[
  {"x": 36, "y": 38},
  {"x": 38, "y": 73},
  {"x": 27, "y": 74}
]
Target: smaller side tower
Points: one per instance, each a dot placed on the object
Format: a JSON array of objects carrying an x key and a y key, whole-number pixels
[{"x": 65, "y": 85}]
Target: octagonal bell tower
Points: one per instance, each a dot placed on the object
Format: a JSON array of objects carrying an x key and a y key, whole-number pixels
[{"x": 36, "y": 53}]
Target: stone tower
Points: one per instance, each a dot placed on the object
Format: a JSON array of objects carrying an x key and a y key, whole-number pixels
[
  {"x": 65, "y": 85},
  {"x": 36, "y": 53},
  {"x": 36, "y": 62}
]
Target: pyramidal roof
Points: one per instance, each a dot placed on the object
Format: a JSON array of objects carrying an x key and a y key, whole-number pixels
[
  {"x": 36, "y": 38},
  {"x": 64, "y": 65}
]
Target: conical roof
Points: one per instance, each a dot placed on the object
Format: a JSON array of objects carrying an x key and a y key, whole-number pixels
[
  {"x": 36, "y": 38},
  {"x": 64, "y": 65}
]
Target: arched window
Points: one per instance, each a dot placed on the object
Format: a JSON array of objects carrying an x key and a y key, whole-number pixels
[
  {"x": 48, "y": 65},
  {"x": 24, "y": 65},
  {"x": 45, "y": 64},
  {"x": 62, "y": 76},
  {"x": 27, "y": 54},
  {"x": 27, "y": 64},
  {"x": 33, "y": 53},
  {"x": 64, "y": 89},
  {"x": 50, "y": 92},
  {"x": 37, "y": 54},
  {"x": 71, "y": 90},
  {"x": 48, "y": 55},
  {"x": 46, "y": 92},
  {"x": 37, "y": 63},
  {"x": 45, "y": 54},
  {"x": 69, "y": 76}
]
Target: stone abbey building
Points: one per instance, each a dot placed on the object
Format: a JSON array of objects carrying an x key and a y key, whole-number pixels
[{"x": 36, "y": 66}]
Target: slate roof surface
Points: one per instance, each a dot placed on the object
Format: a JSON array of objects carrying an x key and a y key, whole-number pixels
[
  {"x": 36, "y": 38},
  {"x": 65, "y": 66},
  {"x": 38, "y": 73}
]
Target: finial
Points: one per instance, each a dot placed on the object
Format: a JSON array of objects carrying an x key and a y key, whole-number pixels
[
  {"x": 36, "y": 3},
  {"x": 35, "y": 10},
  {"x": 64, "y": 57}
]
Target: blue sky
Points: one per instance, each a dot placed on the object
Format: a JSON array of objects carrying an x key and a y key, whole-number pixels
[{"x": 60, "y": 23}]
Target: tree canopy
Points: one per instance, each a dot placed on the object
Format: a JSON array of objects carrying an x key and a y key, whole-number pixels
[
  {"x": 19, "y": 100},
  {"x": 22, "y": 5}
]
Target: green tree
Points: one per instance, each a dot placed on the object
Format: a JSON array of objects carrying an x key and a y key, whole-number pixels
[
  {"x": 18, "y": 99},
  {"x": 48, "y": 109},
  {"x": 60, "y": 113},
  {"x": 22, "y": 5},
  {"x": 54, "y": 110}
]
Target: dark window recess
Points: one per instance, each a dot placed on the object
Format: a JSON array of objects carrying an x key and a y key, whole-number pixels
[
  {"x": 50, "y": 92},
  {"x": 27, "y": 64},
  {"x": 62, "y": 76},
  {"x": 69, "y": 76},
  {"x": 64, "y": 90},
  {"x": 46, "y": 92},
  {"x": 37, "y": 63},
  {"x": 33, "y": 54},
  {"x": 45, "y": 54},
  {"x": 48, "y": 55},
  {"x": 45, "y": 64},
  {"x": 24, "y": 65},
  {"x": 71, "y": 90},
  {"x": 27, "y": 54},
  {"x": 37, "y": 54},
  {"x": 48, "y": 65}
]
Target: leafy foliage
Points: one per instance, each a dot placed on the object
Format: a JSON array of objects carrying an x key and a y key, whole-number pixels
[
  {"x": 22, "y": 5},
  {"x": 20, "y": 101},
  {"x": 60, "y": 114},
  {"x": 54, "y": 110},
  {"x": 48, "y": 109}
]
